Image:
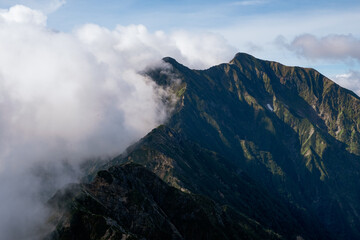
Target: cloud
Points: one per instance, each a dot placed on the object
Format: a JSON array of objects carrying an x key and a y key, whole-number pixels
[
  {"x": 54, "y": 5},
  {"x": 68, "y": 97},
  {"x": 22, "y": 14},
  {"x": 201, "y": 50},
  {"x": 350, "y": 80},
  {"x": 250, "y": 3},
  {"x": 334, "y": 47},
  {"x": 262, "y": 28}
]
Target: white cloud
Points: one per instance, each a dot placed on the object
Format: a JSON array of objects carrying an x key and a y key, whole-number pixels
[
  {"x": 263, "y": 29},
  {"x": 73, "y": 96},
  {"x": 334, "y": 46},
  {"x": 22, "y": 14},
  {"x": 202, "y": 50},
  {"x": 350, "y": 80}
]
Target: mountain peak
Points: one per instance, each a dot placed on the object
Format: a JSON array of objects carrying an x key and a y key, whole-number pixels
[
  {"x": 242, "y": 56},
  {"x": 170, "y": 60},
  {"x": 245, "y": 59}
]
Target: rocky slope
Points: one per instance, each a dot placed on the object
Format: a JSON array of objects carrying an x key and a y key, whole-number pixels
[
  {"x": 278, "y": 144},
  {"x": 130, "y": 202}
]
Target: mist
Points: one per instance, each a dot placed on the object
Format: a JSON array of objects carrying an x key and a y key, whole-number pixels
[{"x": 69, "y": 97}]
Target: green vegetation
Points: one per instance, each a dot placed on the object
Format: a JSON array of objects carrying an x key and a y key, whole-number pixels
[{"x": 265, "y": 173}]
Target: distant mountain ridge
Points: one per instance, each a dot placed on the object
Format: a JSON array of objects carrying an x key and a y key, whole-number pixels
[{"x": 278, "y": 144}]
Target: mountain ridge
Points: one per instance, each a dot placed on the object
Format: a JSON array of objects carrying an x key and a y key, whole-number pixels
[{"x": 278, "y": 144}]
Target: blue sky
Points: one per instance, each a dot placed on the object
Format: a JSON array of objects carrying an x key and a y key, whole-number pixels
[
  {"x": 170, "y": 14},
  {"x": 269, "y": 29}
]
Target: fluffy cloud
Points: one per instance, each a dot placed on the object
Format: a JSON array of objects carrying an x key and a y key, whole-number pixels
[
  {"x": 338, "y": 47},
  {"x": 201, "y": 50},
  {"x": 22, "y": 14},
  {"x": 67, "y": 97},
  {"x": 330, "y": 48},
  {"x": 350, "y": 80}
]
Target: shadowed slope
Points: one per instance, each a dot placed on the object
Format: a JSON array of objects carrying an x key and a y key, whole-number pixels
[{"x": 129, "y": 202}]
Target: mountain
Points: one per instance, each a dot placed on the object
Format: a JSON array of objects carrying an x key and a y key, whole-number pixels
[
  {"x": 130, "y": 202},
  {"x": 277, "y": 145}
]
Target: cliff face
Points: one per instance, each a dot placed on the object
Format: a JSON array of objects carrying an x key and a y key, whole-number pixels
[{"x": 279, "y": 145}]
